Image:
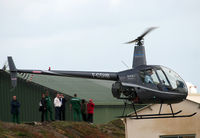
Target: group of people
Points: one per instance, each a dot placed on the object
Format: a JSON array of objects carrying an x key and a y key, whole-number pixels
[
  {"x": 46, "y": 107},
  {"x": 80, "y": 108}
]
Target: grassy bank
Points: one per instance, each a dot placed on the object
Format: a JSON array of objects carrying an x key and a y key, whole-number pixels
[{"x": 60, "y": 129}]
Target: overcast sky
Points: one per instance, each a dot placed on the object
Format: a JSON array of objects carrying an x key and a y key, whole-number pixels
[{"x": 89, "y": 34}]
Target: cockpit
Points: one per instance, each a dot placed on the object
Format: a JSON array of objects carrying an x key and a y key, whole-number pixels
[{"x": 163, "y": 78}]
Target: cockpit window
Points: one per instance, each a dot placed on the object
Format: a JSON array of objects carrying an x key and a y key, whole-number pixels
[
  {"x": 149, "y": 76},
  {"x": 162, "y": 77},
  {"x": 155, "y": 78},
  {"x": 175, "y": 80}
]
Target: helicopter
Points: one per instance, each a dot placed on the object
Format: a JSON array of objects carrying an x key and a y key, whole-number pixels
[{"x": 142, "y": 84}]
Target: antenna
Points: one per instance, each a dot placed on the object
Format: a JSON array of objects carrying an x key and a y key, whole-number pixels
[{"x": 125, "y": 64}]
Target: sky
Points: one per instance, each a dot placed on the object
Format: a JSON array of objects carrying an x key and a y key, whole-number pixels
[{"x": 89, "y": 35}]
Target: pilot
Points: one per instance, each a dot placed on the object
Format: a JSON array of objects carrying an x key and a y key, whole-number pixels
[{"x": 148, "y": 78}]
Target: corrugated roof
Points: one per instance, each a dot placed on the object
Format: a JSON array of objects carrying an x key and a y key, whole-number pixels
[{"x": 98, "y": 90}]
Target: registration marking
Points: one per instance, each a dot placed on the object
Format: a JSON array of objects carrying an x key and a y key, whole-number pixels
[{"x": 101, "y": 75}]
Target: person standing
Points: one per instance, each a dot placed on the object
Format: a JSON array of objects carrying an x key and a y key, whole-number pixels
[
  {"x": 75, "y": 105},
  {"x": 62, "y": 108},
  {"x": 43, "y": 107},
  {"x": 49, "y": 107},
  {"x": 90, "y": 111},
  {"x": 84, "y": 110},
  {"x": 15, "y": 110},
  {"x": 57, "y": 105}
]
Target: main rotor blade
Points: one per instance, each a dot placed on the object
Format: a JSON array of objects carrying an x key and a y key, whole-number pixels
[
  {"x": 133, "y": 41},
  {"x": 141, "y": 36},
  {"x": 146, "y": 32}
]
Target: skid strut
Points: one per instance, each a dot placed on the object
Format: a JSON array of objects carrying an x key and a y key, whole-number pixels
[{"x": 156, "y": 116}]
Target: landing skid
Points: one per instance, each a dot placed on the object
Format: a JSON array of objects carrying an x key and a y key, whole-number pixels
[
  {"x": 155, "y": 116},
  {"x": 139, "y": 116}
]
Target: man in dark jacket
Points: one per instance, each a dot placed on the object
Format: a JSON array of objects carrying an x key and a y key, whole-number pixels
[
  {"x": 15, "y": 110},
  {"x": 43, "y": 107},
  {"x": 62, "y": 108},
  {"x": 84, "y": 110}
]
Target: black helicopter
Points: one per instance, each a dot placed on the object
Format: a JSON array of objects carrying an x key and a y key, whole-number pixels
[{"x": 143, "y": 84}]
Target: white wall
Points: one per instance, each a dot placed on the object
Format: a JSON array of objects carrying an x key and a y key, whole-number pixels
[{"x": 153, "y": 128}]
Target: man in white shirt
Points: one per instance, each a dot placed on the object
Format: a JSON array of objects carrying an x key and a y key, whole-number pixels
[{"x": 57, "y": 105}]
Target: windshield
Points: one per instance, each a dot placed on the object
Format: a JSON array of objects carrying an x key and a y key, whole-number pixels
[
  {"x": 164, "y": 79},
  {"x": 176, "y": 82}
]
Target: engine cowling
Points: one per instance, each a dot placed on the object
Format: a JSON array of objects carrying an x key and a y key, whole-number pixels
[
  {"x": 117, "y": 89},
  {"x": 120, "y": 91}
]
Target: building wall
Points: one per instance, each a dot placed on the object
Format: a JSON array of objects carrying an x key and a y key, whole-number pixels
[
  {"x": 154, "y": 128},
  {"x": 104, "y": 114}
]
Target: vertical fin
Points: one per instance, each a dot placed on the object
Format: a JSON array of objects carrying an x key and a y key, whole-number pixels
[
  {"x": 139, "y": 57},
  {"x": 13, "y": 72}
]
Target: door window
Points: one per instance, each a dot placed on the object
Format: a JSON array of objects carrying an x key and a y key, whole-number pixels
[
  {"x": 149, "y": 76},
  {"x": 162, "y": 77}
]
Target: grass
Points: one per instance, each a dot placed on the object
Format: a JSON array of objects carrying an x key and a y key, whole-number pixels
[
  {"x": 115, "y": 128},
  {"x": 22, "y": 134},
  {"x": 59, "y": 129}
]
